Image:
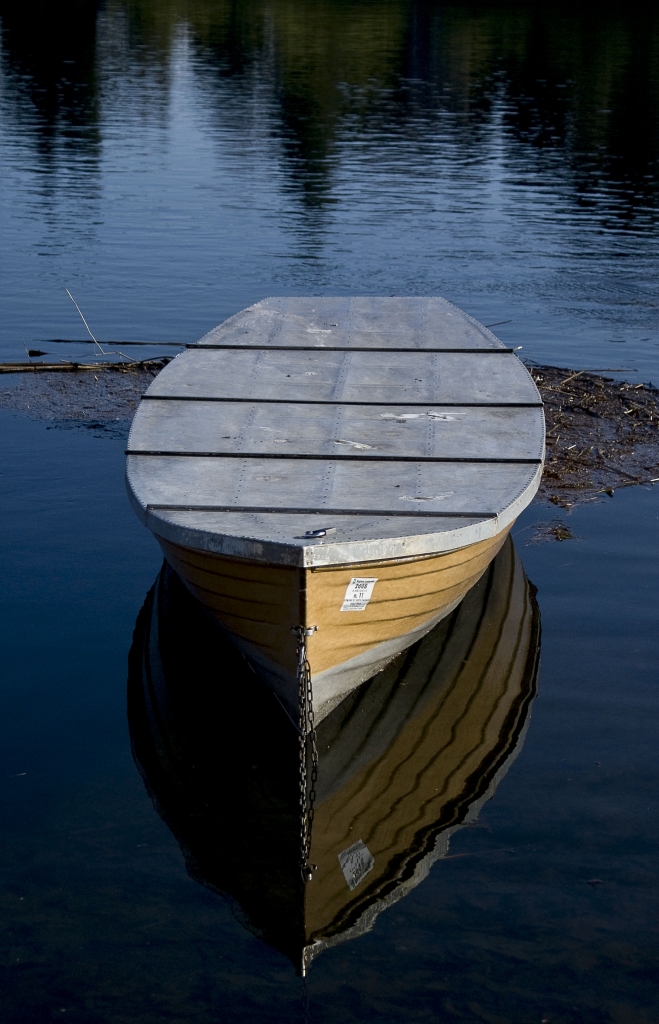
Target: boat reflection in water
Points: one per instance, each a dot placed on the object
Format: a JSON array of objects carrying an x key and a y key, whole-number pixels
[{"x": 404, "y": 761}]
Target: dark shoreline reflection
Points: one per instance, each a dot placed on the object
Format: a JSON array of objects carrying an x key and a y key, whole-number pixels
[
  {"x": 571, "y": 96},
  {"x": 407, "y": 759},
  {"x": 51, "y": 76}
]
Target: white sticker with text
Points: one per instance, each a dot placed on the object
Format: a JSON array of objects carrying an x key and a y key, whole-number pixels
[
  {"x": 356, "y": 862},
  {"x": 358, "y": 593}
]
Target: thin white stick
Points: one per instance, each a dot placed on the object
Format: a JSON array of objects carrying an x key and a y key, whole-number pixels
[{"x": 84, "y": 321}]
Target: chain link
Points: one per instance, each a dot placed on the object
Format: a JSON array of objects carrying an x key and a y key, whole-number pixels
[{"x": 307, "y": 740}]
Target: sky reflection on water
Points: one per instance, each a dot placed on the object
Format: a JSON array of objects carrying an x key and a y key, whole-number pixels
[{"x": 172, "y": 163}]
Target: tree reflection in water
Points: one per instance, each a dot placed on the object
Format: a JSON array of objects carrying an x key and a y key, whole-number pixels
[{"x": 573, "y": 96}]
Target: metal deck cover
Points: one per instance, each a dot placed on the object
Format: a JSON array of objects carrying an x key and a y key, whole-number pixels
[
  {"x": 369, "y": 321},
  {"x": 245, "y": 450},
  {"x": 475, "y": 377}
]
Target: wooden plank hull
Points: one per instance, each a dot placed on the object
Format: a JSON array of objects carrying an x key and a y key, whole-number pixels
[
  {"x": 459, "y": 721},
  {"x": 403, "y": 762},
  {"x": 259, "y": 604}
]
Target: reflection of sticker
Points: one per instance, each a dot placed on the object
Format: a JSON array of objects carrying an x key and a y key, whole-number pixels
[
  {"x": 356, "y": 862},
  {"x": 358, "y": 593}
]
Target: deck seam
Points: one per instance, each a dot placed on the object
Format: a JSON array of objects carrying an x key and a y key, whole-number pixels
[
  {"x": 330, "y": 401},
  {"x": 342, "y": 348},
  {"x": 153, "y": 453},
  {"x": 267, "y": 509}
]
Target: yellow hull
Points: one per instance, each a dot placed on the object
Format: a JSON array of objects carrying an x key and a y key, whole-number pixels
[
  {"x": 403, "y": 762},
  {"x": 480, "y": 678},
  {"x": 260, "y": 603}
]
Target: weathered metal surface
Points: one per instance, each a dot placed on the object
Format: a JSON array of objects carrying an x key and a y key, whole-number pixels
[
  {"x": 279, "y": 506},
  {"x": 369, "y": 321},
  {"x": 396, "y": 453},
  {"x": 466, "y": 378},
  {"x": 354, "y": 431},
  {"x": 360, "y": 486}
]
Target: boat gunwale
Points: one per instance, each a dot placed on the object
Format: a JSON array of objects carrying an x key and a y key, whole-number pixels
[
  {"x": 320, "y": 555},
  {"x": 335, "y": 566}
]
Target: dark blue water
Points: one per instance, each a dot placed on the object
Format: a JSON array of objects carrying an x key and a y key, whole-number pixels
[{"x": 170, "y": 164}]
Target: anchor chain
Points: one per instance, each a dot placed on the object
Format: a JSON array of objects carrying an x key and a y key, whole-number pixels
[{"x": 307, "y": 739}]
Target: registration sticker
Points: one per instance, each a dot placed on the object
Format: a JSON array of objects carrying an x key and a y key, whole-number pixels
[{"x": 358, "y": 593}]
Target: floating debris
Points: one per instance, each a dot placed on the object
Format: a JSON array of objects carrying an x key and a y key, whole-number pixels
[
  {"x": 71, "y": 366},
  {"x": 103, "y": 401},
  {"x": 551, "y": 531},
  {"x": 602, "y": 434}
]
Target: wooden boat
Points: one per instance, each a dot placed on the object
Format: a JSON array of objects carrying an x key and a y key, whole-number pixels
[
  {"x": 337, "y": 470},
  {"x": 404, "y": 761}
]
